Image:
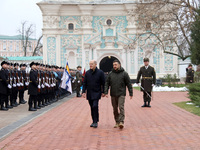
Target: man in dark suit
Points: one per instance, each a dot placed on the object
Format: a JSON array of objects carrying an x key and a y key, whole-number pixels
[
  {"x": 148, "y": 81},
  {"x": 33, "y": 87},
  {"x": 93, "y": 85},
  {"x": 3, "y": 85}
]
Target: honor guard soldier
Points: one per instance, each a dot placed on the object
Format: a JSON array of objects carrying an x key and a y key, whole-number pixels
[
  {"x": 33, "y": 88},
  {"x": 189, "y": 74},
  {"x": 78, "y": 81},
  {"x": 22, "y": 82},
  {"x": 147, "y": 82},
  {"x": 17, "y": 86},
  {"x": 4, "y": 85}
]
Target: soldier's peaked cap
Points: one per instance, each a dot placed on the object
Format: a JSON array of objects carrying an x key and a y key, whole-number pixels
[
  {"x": 31, "y": 64},
  {"x": 3, "y": 62},
  {"x": 16, "y": 64},
  {"x": 146, "y": 59}
]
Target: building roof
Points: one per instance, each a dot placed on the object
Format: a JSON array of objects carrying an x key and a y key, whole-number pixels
[
  {"x": 15, "y": 37},
  {"x": 89, "y": 1},
  {"x": 24, "y": 58}
]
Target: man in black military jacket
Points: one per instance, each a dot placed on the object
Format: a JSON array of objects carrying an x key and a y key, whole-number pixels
[
  {"x": 147, "y": 82},
  {"x": 33, "y": 87},
  {"x": 18, "y": 86},
  {"x": 22, "y": 82},
  {"x": 78, "y": 81},
  {"x": 3, "y": 85},
  {"x": 189, "y": 74}
]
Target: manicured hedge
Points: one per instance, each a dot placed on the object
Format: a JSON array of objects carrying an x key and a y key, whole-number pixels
[{"x": 194, "y": 93}]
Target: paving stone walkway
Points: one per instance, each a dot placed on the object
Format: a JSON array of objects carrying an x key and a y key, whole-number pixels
[{"x": 66, "y": 127}]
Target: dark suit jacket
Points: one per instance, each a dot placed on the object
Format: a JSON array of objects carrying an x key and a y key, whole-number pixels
[
  {"x": 33, "y": 85},
  {"x": 93, "y": 84}
]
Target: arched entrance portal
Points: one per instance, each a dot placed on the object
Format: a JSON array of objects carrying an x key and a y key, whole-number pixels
[{"x": 106, "y": 64}]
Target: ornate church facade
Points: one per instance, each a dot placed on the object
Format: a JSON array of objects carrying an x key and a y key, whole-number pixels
[{"x": 82, "y": 30}]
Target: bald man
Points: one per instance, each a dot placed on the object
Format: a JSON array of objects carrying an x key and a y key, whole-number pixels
[{"x": 93, "y": 89}]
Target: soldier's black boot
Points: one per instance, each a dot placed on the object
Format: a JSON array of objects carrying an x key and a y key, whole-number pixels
[
  {"x": 3, "y": 108},
  {"x": 148, "y": 104},
  {"x": 36, "y": 106},
  {"x": 145, "y": 104}
]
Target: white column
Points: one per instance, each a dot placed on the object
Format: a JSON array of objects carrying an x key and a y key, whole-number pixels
[
  {"x": 128, "y": 62},
  {"x": 83, "y": 53},
  {"x": 124, "y": 58},
  {"x": 58, "y": 50},
  {"x": 136, "y": 60},
  {"x": 95, "y": 54},
  {"x": 44, "y": 48}
]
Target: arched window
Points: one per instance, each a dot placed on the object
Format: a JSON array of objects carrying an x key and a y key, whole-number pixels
[
  {"x": 109, "y": 22},
  {"x": 70, "y": 26}
]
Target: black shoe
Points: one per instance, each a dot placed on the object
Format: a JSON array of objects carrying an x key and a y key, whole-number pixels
[
  {"x": 37, "y": 107},
  {"x": 148, "y": 106},
  {"x": 92, "y": 125},
  {"x": 32, "y": 109},
  {"x": 4, "y": 108},
  {"x": 9, "y": 107},
  {"x": 144, "y": 105},
  {"x": 95, "y": 125},
  {"x": 41, "y": 105},
  {"x": 22, "y": 102},
  {"x": 17, "y": 104},
  {"x": 13, "y": 105}
]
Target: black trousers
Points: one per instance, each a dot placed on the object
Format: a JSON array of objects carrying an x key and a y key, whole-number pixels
[
  {"x": 21, "y": 95},
  {"x": 3, "y": 99},
  {"x": 146, "y": 97},
  {"x": 14, "y": 93},
  {"x": 94, "y": 106},
  {"x": 32, "y": 99}
]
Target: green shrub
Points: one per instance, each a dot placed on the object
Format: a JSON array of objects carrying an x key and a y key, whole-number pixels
[{"x": 194, "y": 93}]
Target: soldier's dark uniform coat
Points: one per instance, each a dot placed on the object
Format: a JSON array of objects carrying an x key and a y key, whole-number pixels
[
  {"x": 148, "y": 78},
  {"x": 3, "y": 81},
  {"x": 33, "y": 85}
]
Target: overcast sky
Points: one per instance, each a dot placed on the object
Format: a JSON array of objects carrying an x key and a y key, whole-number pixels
[{"x": 13, "y": 12}]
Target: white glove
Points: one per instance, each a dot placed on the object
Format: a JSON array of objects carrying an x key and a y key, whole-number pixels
[
  {"x": 78, "y": 81},
  {"x": 139, "y": 84},
  {"x": 21, "y": 84},
  {"x": 51, "y": 85},
  {"x": 39, "y": 86},
  {"x": 9, "y": 86},
  {"x": 43, "y": 86},
  {"x": 152, "y": 84},
  {"x": 18, "y": 84},
  {"x": 48, "y": 85},
  {"x": 73, "y": 81},
  {"x": 14, "y": 85},
  {"x": 40, "y": 79}
]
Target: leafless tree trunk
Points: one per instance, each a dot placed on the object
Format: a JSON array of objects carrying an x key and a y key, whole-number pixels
[
  {"x": 25, "y": 36},
  {"x": 38, "y": 47}
]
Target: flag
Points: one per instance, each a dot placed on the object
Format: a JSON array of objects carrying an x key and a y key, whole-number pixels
[
  {"x": 66, "y": 79},
  {"x": 83, "y": 75}
]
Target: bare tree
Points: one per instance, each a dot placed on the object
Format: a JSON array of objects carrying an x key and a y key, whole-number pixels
[
  {"x": 166, "y": 24},
  {"x": 25, "y": 33},
  {"x": 38, "y": 48}
]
